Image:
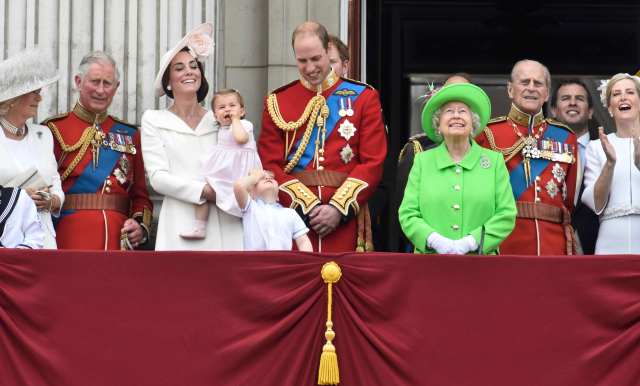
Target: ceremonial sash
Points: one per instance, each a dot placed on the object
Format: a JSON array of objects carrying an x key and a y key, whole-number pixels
[
  {"x": 92, "y": 179},
  {"x": 538, "y": 165},
  {"x": 8, "y": 201},
  {"x": 333, "y": 103}
]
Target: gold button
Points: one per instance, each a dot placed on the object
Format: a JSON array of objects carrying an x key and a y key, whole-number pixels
[
  {"x": 109, "y": 182},
  {"x": 456, "y": 187},
  {"x": 320, "y": 167},
  {"x": 537, "y": 188},
  {"x": 107, "y": 189},
  {"x": 456, "y": 206},
  {"x": 537, "y": 178},
  {"x": 537, "y": 199},
  {"x": 455, "y": 227}
]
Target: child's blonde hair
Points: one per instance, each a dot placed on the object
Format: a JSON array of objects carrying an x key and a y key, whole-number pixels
[{"x": 227, "y": 91}]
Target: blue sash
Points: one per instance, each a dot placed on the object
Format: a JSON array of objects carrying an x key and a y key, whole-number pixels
[
  {"x": 538, "y": 165},
  {"x": 91, "y": 180},
  {"x": 333, "y": 102}
]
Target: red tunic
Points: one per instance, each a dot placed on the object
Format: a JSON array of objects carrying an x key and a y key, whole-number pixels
[
  {"x": 124, "y": 177},
  {"x": 552, "y": 182},
  {"x": 357, "y": 155}
]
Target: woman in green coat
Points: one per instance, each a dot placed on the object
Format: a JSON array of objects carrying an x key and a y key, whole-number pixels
[{"x": 458, "y": 198}]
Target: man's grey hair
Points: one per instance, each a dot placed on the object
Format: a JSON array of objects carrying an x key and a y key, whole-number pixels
[
  {"x": 97, "y": 57},
  {"x": 547, "y": 74},
  {"x": 475, "y": 121}
]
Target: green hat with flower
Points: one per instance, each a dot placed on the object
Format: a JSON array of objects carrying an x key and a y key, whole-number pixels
[{"x": 469, "y": 94}]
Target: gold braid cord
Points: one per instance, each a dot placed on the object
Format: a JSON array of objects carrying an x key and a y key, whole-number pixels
[
  {"x": 82, "y": 144},
  {"x": 508, "y": 152},
  {"x": 315, "y": 111},
  {"x": 329, "y": 373}
]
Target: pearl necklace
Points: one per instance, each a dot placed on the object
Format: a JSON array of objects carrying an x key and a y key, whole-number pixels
[{"x": 17, "y": 131}]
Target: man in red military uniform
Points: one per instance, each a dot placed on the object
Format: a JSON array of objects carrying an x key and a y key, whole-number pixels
[
  {"x": 541, "y": 156},
  {"x": 324, "y": 139},
  {"x": 100, "y": 163}
]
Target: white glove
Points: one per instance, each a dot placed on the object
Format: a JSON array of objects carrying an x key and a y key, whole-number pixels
[
  {"x": 465, "y": 245},
  {"x": 441, "y": 244}
]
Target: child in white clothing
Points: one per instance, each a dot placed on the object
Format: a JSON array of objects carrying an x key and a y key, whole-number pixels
[
  {"x": 234, "y": 156},
  {"x": 268, "y": 225}
]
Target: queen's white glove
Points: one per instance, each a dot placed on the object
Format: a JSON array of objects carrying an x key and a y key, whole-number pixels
[
  {"x": 441, "y": 244},
  {"x": 465, "y": 245}
]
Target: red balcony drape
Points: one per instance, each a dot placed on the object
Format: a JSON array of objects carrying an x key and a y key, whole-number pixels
[{"x": 188, "y": 318}]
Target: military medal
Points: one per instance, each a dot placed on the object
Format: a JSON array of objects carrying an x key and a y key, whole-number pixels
[
  {"x": 342, "y": 112},
  {"x": 346, "y": 154},
  {"x": 349, "y": 109},
  {"x": 124, "y": 164},
  {"x": 552, "y": 188},
  {"x": 347, "y": 129},
  {"x": 558, "y": 172}
]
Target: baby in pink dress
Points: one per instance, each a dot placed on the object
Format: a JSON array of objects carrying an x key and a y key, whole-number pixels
[{"x": 233, "y": 157}]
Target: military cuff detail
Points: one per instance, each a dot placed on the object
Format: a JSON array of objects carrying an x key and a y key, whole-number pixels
[
  {"x": 347, "y": 194},
  {"x": 300, "y": 195}
]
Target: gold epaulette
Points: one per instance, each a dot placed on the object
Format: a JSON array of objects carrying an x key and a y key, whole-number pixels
[
  {"x": 54, "y": 118},
  {"x": 557, "y": 123},
  {"x": 346, "y": 195},
  {"x": 300, "y": 195},
  {"x": 414, "y": 142},
  {"x": 357, "y": 82},
  {"x": 501, "y": 118}
]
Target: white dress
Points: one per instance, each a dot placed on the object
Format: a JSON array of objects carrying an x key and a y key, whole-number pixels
[
  {"x": 35, "y": 150},
  {"x": 172, "y": 153},
  {"x": 228, "y": 162},
  {"x": 270, "y": 227},
  {"x": 620, "y": 217}
]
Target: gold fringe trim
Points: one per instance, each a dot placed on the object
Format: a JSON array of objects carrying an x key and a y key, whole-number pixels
[{"x": 329, "y": 373}]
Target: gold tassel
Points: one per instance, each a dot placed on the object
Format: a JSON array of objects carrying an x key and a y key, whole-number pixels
[{"x": 329, "y": 374}]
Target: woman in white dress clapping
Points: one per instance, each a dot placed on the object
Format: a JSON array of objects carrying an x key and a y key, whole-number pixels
[{"x": 612, "y": 172}]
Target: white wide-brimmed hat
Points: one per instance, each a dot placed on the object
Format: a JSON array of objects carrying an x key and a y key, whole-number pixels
[
  {"x": 26, "y": 71},
  {"x": 200, "y": 46}
]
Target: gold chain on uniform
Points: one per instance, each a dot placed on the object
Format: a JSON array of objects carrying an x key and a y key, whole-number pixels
[
  {"x": 82, "y": 144},
  {"x": 316, "y": 111}
]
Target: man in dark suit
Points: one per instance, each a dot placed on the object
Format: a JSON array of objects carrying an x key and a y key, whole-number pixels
[{"x": 571, "y": 103}]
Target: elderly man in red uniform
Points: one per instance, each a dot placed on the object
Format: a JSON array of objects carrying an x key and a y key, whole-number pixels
[
  {"x": 541, "y": 156},
  {"x": 324, "y": 138},
  {"x": 100, "y": 163}
]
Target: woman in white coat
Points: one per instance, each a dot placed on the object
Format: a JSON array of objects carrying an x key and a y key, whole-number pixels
[
  {"x": 26, "y": 149},
  {"x": 173, "y": 141},
  {"x": 612, "y": 172}
]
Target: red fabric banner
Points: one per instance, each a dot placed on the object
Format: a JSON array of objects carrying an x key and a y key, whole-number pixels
[{"x": 150, "y": 318}]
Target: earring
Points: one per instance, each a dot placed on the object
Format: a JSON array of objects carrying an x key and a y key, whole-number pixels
[{"x": 169, "y": 88}]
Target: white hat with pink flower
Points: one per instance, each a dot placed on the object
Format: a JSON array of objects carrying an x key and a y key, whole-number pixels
[{"x": 200, "y": 45}]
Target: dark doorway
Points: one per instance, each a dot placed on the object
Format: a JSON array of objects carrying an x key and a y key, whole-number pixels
[{"x": 484, "y": 38}]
